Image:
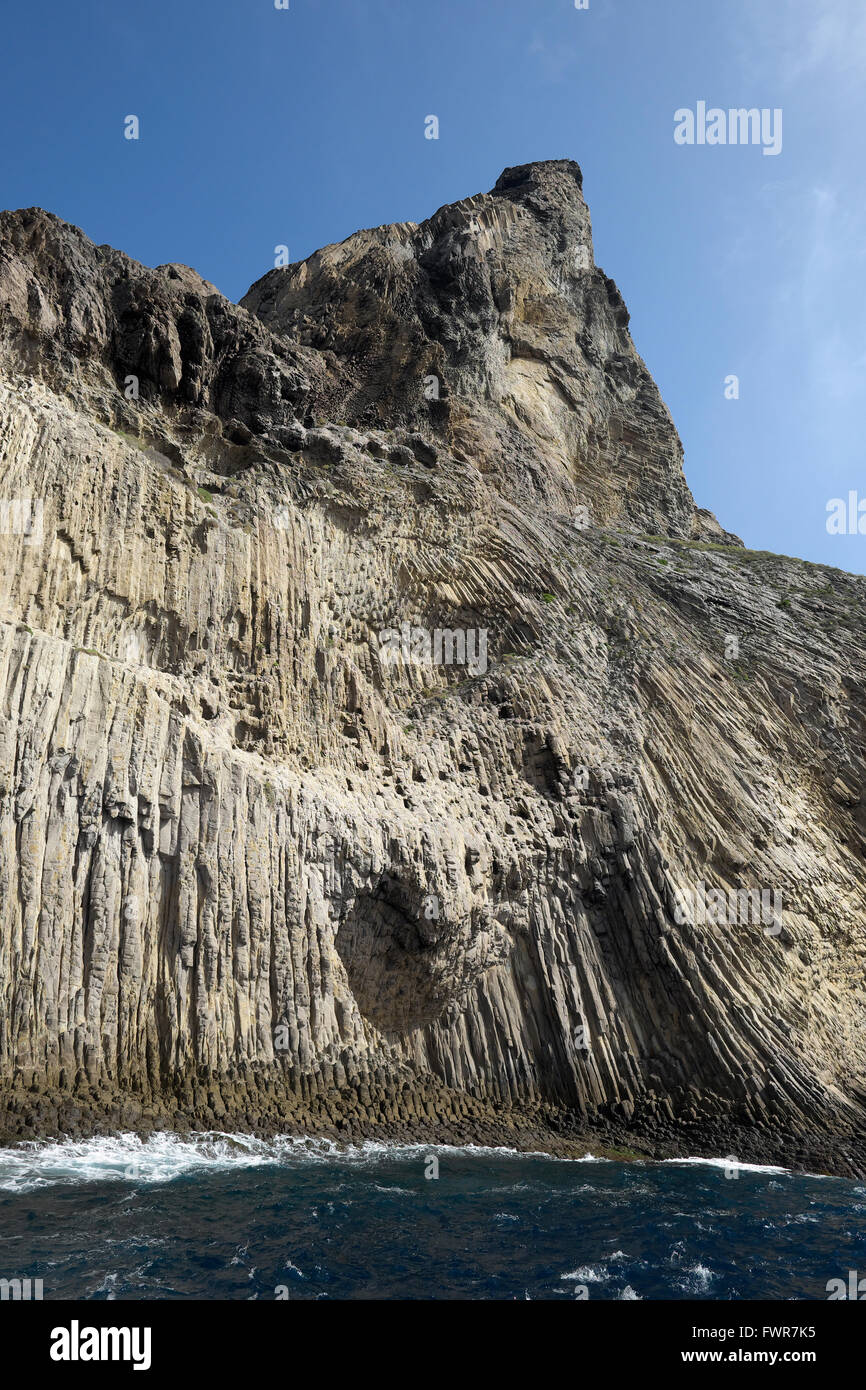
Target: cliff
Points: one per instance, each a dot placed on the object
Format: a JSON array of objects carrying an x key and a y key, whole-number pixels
[{"x": 265, "y": 861}]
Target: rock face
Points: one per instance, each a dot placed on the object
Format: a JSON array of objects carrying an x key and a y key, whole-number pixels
[{"x": 376, "y": 702}]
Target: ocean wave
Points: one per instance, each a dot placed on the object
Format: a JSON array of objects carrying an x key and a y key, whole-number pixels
[
  {"x": 588, "y": 1274},
  {"x": 728, "y": 1163},
  {"x": 165, "y": 1156},
  {"x": 698, "y": 1278}
]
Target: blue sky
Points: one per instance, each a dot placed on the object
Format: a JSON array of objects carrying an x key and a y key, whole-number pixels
[{"x": 262, "y": 126}]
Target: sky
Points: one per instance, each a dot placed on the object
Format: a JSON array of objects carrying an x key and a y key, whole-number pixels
[{"x": 261, "y": 127}]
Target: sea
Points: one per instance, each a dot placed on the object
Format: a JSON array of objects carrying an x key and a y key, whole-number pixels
[{"x": 230, "y": 1216}]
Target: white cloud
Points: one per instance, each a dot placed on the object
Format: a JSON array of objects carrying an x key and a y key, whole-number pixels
[{"x": 806, "y": 38}]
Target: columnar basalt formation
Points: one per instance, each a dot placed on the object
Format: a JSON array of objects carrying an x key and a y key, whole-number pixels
[{"x": 256, "y": 873}]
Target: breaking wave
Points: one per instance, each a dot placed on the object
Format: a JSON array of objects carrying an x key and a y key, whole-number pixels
[{"x": 165, "y": 1156}]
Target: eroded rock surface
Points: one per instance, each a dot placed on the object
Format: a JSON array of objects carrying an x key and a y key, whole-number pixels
[{"x": 255, "y": 872}]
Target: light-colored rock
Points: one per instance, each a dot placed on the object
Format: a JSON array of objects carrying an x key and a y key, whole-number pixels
[{"x": 252, "y": 873}]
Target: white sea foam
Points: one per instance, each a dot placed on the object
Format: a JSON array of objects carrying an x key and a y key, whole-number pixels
[
  {"x": 164, "y": 1156},
  {"x": 701, "y": 1274},
  {"x": 587, "y": 1274},
  {"x": 729, "y": 1162}
]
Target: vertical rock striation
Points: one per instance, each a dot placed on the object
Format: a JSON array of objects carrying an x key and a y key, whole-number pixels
[{"x": 258, "y": 869}]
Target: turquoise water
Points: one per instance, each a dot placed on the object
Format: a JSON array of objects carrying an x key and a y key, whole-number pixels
[{"x": 231, "y": 1217}]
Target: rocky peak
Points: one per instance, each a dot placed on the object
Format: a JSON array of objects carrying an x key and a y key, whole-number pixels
[
  {"x": 487, "y": 328},
  {"x": 490, "y": 326}
]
